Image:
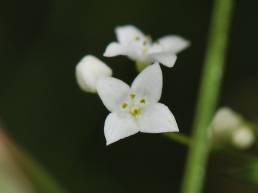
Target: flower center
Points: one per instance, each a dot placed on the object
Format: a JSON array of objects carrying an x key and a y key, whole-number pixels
[
  {"x": 143, "y": 43},
  {"x": 133, "y": 105}
]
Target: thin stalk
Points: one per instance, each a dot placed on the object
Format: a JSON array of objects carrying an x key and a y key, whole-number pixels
[
  {"x": 235, "y": 154},
  {"x": 208, "y": 96},
  {"x": 180, "y": 138},
  {"x": 42, "y": 181}
]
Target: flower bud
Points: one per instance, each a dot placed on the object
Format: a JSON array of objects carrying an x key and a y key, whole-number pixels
[
  {"x": 228, "y": 128},
  {"x": 243, "y": 138},
  {"x": 89, "y": 70},
  {"x": 225, "y": 120}
]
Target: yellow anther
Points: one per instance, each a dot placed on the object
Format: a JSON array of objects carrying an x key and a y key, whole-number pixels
[
  {"x": 142, "y": 101},
  {"x": 135, "y": 111},
  {"x": 137, "y": 38},
  {"x": 124, "y": 105},
  {"x": 132, "y": 95}
]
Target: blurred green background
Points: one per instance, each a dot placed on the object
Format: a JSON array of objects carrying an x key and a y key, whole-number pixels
[{"x": 62, "y": 127}]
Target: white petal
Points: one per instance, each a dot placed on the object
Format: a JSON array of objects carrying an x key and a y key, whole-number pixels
[
  {"x": 89, "y": 70},
  {"x": 165, "y": 58},
  {"x": 112, "y": 92},
  {"x": 114, "y": 49},
  {"x": 118, "y": 127},
  {"x": 128, "y": 33},
  {"x": 173, "y": 44},
  {"x": 157, "y": 119},
  {"x": 149, "y": 83},
  {"x": 155, "y": 48}
]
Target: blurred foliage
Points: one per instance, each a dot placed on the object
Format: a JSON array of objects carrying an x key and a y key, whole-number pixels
[
  {"x": 236, "y": 166},
  {"x": 250, "y": 172},
  {"x": 19, "y": 173},
  {"x": 12, "y": 178}
]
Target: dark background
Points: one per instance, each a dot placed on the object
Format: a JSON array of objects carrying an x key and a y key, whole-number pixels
[{"x": 62, "y": 127}]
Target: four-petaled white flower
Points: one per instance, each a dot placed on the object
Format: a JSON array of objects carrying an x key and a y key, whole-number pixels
[
  {"x": 136, "y": 108},
  {"x": 89, "y": 70},
  {"x": 140, "y": 48}
]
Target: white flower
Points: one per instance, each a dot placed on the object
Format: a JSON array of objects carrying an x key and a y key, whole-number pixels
[
  {"x": 89, "y": 70},
  {"x": 140, "y": 48},
  {"x": 136, "y": 108}
]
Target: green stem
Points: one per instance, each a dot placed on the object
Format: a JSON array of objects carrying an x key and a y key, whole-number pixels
[
  {"x": 208, "y": 96},
  {"x": 180, "y": 138}
]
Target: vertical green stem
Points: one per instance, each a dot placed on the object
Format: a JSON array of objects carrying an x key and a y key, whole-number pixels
[{"x": 208, "y": 96}]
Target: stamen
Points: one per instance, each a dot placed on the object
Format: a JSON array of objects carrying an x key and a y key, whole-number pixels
[
  {"x": 135, "y": 111},
  {"x": 142, "y": 101},
  {"x": 124, "y": 105},
  {"x": 137, "y": 38},
  {"x": 132, "y": 95}
]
